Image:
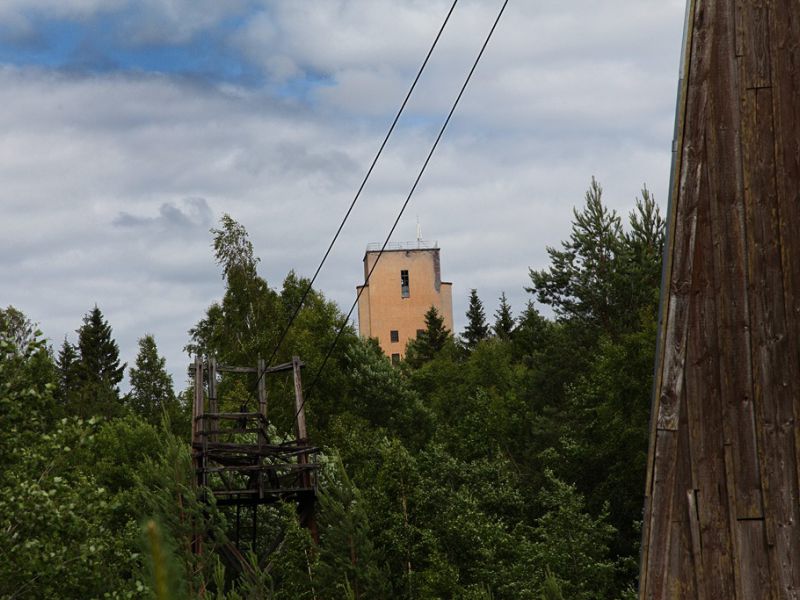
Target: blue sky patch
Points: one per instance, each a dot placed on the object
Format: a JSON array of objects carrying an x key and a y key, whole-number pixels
[{"x": 105, "y": 43}]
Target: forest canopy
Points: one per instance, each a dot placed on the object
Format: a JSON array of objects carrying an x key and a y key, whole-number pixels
[{"x": 504, "y": 462}]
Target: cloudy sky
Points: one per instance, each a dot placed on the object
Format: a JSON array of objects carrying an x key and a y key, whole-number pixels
[{"x": 128, "y": 127}]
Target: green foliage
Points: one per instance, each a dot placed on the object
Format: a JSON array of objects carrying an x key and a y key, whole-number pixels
[
  {"x": 551, "y": 589},
  {"x": 293, "y": 567},
  {"x": 98, "y": 372},
  {"x": 27, "y": 383},
  {"x": 243, "y": 323},
  {"x": 580, "y": 284},
  {"x": 247, "y": 323},
  {"x": 602, "y": 273},
  {"x": 164, "y": 489},
  {"x": 513, "y": 470},
  {"x": 68, "y": 365},
  {"x": 158, "y": 562},
  {"x": 476, "y": 329},
  {"x": 503, "y": 320},
  {"x": 571, "y": 545},
  {"x": 151, "y": 395},
  {"x": 604, "y": 444},
  {"x": 16, "y": 329},
  {"x": 56, "y": 524},
  {"x": 311, "y": 337},
  {"x": 349, "y": 565},
  {"x": 233, "y": 250},
  {"x": 531, "y": 336},
  {"x": 431, "y": 341},
  {"x": 383, "y": 397}
]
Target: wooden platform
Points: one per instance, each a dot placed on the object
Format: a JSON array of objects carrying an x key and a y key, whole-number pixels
[
  {"x": 238, "y": 458},
  {"x": 239, "y": 465}
]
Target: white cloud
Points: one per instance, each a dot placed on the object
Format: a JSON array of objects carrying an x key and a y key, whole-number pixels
[
  {"x": 176, "y": 21},
  {"x": 139, "y": 21},
  {"x": 16, "y": 11},
  {"x": 103, "y": 175}
]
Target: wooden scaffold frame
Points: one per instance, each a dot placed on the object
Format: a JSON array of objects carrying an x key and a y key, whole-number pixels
[{"x": 234, "y": 457}]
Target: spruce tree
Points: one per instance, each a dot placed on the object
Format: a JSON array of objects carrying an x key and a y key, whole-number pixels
[
  {"x": 430, "y": 341},
  {"x": 151, "y": 394},
  {"x": 435, "y": 334},
  {"x": 68, "y": 364},
  {"x": 99, "y": 370},
  {"x": 504, "y": 321},
  {"x": 476, "y": 329}
]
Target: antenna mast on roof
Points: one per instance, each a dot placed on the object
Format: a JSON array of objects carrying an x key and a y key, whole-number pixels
[{"x": 419, "y": 232}]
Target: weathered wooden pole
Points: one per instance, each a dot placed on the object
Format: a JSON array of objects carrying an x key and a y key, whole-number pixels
[
  {"x": 213, "y": 407},
  {"x": 722, "y": 512}
]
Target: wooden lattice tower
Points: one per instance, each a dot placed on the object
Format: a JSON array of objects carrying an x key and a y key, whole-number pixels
[
  {"x": 722, "y": 514},
  {"x": 235, "y": 459}
]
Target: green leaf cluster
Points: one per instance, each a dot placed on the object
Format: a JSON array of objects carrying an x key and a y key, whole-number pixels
[{"x": 504, "y": 466}]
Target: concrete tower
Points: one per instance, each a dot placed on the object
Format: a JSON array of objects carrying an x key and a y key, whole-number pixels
[{"x": 406, "y": 282}]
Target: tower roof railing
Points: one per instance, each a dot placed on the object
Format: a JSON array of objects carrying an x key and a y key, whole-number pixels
[{"x": 415, "y": 245}]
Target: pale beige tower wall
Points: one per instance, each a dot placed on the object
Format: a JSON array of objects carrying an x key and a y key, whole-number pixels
[{"x": 382, "y": 307}]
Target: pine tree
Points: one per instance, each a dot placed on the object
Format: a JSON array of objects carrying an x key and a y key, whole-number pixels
[
  {"x": 476, "y": 329},
  {"x": 582, "y": 282},
  {"x": 643, "y": 247},
  {"x": 99, "y": 370},
  {"x": 504, "y": 321},
  {"x": 602, "y": 275},
  {"x": 151, "y": 393}
]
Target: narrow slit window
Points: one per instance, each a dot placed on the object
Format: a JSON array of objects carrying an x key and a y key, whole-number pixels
[
  {"x": 394, "y": 335},
  {"x": 395, "y": 359},
  {"x": 404, "y": 290}
]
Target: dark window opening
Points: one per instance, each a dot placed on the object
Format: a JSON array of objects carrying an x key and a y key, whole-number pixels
[
  {"x": 420, "y": 332},
  {"x": 395, "y": 335},
  {"x": 395, "y": 359},
  {"x": 404, "y": 284}
]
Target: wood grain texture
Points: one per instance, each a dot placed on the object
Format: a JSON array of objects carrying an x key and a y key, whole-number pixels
[{"x": 722, "y": 504}]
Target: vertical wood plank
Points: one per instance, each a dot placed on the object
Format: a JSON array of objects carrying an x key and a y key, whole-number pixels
[
  {"x": 730, "y": 346},
  {"x": 299, "y": 405},
  {"x": 661, "y": 502},
  {"x": 775, "y": 374},
  {"x": 679, "y": 577},
  {"x": 262, "y": 388},
  {"x": 652, "y": 485},
  {"x": 213, "y": 406},
  {"x": 728, "y": 230},
  {"x": 697, "y": 546},
  {"x": 704, "y": 408},
  {"x": 755, "y": 577},
  {"x": 300, "y": 419},
  {"x": 785, "y": 93},
  {"x": 197, "y": 410},
  {"x": 753, "y": 37}
]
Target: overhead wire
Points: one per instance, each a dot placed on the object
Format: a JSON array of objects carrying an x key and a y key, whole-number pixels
[
  {"x": 310, "y": 285},
  {"x": 402, "y": 209}
]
